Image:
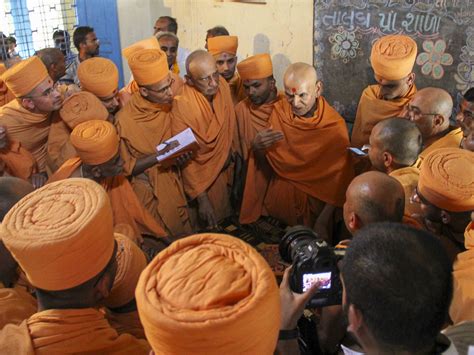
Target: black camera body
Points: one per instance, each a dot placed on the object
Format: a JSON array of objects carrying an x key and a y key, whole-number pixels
[{"x": 313, "y": 261}]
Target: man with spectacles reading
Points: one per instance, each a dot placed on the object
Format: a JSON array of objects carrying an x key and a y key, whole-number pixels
[
  {"x": 205, "y": 105},
  {"x": 28, "y": 118},
  {"x": 430, "y": 109},
  {"x": 144, "y": 123}
]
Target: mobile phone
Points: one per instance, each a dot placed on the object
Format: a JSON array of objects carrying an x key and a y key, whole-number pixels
[{"x": 357, "y": 151}]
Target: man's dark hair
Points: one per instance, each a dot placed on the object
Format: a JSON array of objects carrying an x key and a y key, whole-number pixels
[
  {"x": 62, "y": 33},
  {"x": 3, "y": 47},
  {"x": 400, "y": 279},
  {"x": 469, "y": 95},
  {"x": 401, "y": 138},
  {"x": 11, "y": 39},
  {"x": 80, "y": 34},
  {"x": 172, "y": 25},
  {"x": 217, "y": 31},
  {"x": 49, "y": 56}
]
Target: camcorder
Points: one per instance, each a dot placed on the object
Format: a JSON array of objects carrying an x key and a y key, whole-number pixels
[{"x": 313, "y": 261}]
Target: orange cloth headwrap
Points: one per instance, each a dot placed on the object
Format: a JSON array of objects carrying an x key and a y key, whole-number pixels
[
  {"x": 447, "y": 179},
  {"x": 62, "y": 234},
  {"x": 81, "y": 107},
  {"x": 393, "y": 56},
  {"x": 209, "y": 294},
  {"x": 96, "y": 142},
  {"x": 148, "y": 66},
  {"x": 222, "y": 44},
  {"x": 256, "y": 67},
  {"x": 147, "y": 43},
  {"x": 23, "y": 77},
  {"x": 99, "y": 76},
  {"x": 130, "y": 263}
]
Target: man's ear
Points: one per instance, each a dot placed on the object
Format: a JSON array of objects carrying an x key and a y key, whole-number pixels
[
  {"x": 96, "y": 172},
  {"x": 319, "y": 88},
  {"x": 411, "y": 79},
  {"x": 438, "y": 120},
  {"x": 354, "y": 222},
  {"x": 387, "y": 159},
  {"x": 355, "y": 319},
  {"x": 143, "y": 91},
  {"x": 188, "y": 80},
  {"x": 102, "y": 288},
  {"x": 445, "y": 217},
  {"x": 27, "y": 103}
]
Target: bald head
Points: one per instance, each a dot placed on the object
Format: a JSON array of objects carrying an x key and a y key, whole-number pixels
[
  {"x": 431, "y": 109},
  {"x": 201, "y": 73},
  {"x": 197, "y": 60},
  {"x": 437, "y": 101},
  {"x": 12, "y": 190},
  {"x": 302, "y": 88},
  {"x": 394, "y": 143},
  {"x": 373, "y": 197},
  {"x": 299, "y": 73}
]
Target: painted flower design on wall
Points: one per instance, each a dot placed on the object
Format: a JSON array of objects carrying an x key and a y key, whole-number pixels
[
  {"x": 433, "y": 58},
  {"x": 345, "y": 45},
  {"x": 465, "y": 73}
]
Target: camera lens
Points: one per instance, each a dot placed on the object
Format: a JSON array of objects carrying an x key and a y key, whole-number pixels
[{"x": 295, "y": 241}]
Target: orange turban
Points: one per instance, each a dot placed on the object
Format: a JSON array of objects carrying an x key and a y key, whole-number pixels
[
  {"x": 81, "y": 107},
  {"x": 147, "y": 43},
  {"x": 209, "y": 294},
  {"x": 256, "y": 67},
  {"x": 96, "y": 142},
  {"x": 62, "y": 234},
  {"x": 447, "y": 179},
  {"x": 148, "y": 66},
  {"x": 23, "y": 77},
  {"x": 130, "y": 263},
  {"x": 222, "y": 44},
  {"x": 393, "y": 56},
  {"x": 99, "y": 76}
]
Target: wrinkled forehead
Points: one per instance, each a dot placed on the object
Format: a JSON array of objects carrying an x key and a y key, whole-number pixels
[
  {"x": 298, "y": 85},
  {"x": 203, "y": 67}
]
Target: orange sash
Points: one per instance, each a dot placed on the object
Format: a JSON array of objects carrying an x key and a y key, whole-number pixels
[
  {"x": 372, "y": 109},
  {"x": 313, "y": 158},
  {"x": 142, "y": 125}
]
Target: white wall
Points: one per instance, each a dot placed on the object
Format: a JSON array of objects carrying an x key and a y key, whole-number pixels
[{"x": 283, "y": 28}]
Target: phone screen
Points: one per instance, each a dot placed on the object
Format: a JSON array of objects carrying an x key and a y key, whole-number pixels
[
  {"x": 357, "y": 151},
  {"x": 324, "y": 279}
]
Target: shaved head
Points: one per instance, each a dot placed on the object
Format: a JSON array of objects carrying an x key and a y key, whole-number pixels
[
  {"x": 12, "y": 190},
  {"x": 302, "y": 88},
  {"x": 436, "y": 101},
  {"x": 431, "y": 109},
  {"x": 373, "y": 197},
  {"x": 197, "y": 59},
  {"x": 399, "y": 138},
  {"x": 202, "y": 74}
]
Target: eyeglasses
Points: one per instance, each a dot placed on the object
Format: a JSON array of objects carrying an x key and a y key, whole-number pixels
[
  {"x": 208, "y": 79},
  {"x": 162, "y": 90},
  {"x": 418, "y": 198},
  {"x": 46, "y": 93},
  {"x": 416, "y": 111}
]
